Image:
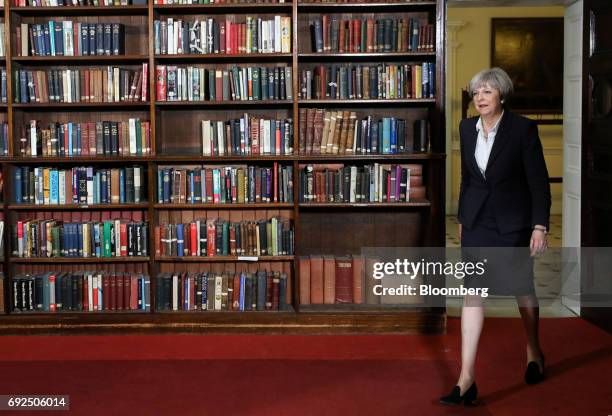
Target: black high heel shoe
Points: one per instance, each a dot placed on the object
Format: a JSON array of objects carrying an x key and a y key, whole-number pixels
[
  {"x": 533, "y": 374},
  {"x": 455, "y": 397}
]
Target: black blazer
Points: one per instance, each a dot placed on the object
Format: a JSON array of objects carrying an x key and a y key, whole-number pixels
[{"x": 516, "y": 175}]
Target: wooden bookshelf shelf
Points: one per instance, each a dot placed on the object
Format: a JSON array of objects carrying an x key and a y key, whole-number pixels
[
  {"x": 176, "y": 137},
  {"x": 214, "y": 259},
  {"x": 225, "y": 57},
  {"x": 76, "y": 60},
  {"x": 222, "y": 8},
  {"x": 67, "y": 207},
  {"x": 78, "y": 259},
  {"x": 382, "y": 205},
  {"x": 224, "y": 206},
  {"x": 82, "y": 10}
]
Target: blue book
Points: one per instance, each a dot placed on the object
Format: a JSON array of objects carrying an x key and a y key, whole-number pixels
[
  {"x": 47, "y": 39},
  {"x": 52, "y": 37},
  {"x": 46, "y": 292},
  {"x": 79, "y": 240},
  {"x": 17, "y": 186},
  {"x": 393, "y": 135},
  {"x": 54, "y": 186},
  {"x": 160, "y": 187},
  {"x": 122, "y": 186},
  {"x": 386, "y": 135},
  {"x": 192, "y": 187},
  {"x": 70, "y": 145},
  {"x": 180, "y": 240},
  {"x": 242, "y": 285},
  {"x": 85, "y": 39},
  {"x": 59, "y": 38},
  {"x": 97, "y": 245}
]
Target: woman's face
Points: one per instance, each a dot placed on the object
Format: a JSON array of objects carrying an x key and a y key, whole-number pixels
[{"x": 487, "y": 100}]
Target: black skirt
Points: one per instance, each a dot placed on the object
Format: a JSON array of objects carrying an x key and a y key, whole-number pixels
[{"x": 509, "y": 266}]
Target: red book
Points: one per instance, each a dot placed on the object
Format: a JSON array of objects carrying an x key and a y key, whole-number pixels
[
  {"x": 160, "y": 83},
  {"x": 66, "y": 137},
  {"x": 92, "y": 138},
  {"x": 112, "y": 300},
  {"x": 133, "y": 292},
  {"x": 106, "y": 293},
  {"x": 325, "y": 24},
  {"x": 222, "y": 37},
  {"x": 194, "y": 238},
  {"x": 123, "y": 239},
  {"x": 85, "y": 293},
  {"x": 127, "y": 288},
  {"x": 119, "y": 292},
  {"x": 210, "y": 238},
  {"x": 84, "y": 139},
  {"x": 341, "y": 36},
  {"x": 77, "y": 34},
  {"x": 94, "y": 293},
  {"x": 157, "y": 241},
  {"x": 228, "y": 37}
]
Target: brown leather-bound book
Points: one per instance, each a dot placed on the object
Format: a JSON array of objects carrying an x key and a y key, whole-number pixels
[
  {"x": 119, "y": 291},
  {"x": 133, "y": 292},
  {"x": 325, "y": 137},
  {"x": 335, "y": 144},
  {"x": 127, "y": 288},
  {"x": 310, "y": 115},
  {"x": 370, "y": 35},
  {"x": 304, "y": 268},
  {"x": 370, "y": 282},
  {"x": 333, "y": 125},
  {"x": 344, "y": 280},
  {"x": 115, "y": 186},
  {"x": 358, "y": 279},
  {"x": 329, "y": 280},
  {"x": 113, "y": 292},
  {"x": 316, "y": 279},
  {"x": 341, "y": 37},
  {"x": 345, "y": 130},
  {"x": 302, "y": 131},
  {"x": 236, "y": 292},
  {"x": 318, "y": 131},
  {"x": 351, "y": 132}
]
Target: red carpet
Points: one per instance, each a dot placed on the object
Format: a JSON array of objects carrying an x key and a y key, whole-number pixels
[{"x": 306, "y": 375}]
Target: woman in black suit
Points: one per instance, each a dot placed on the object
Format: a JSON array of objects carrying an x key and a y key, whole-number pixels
[{"x": 504, "y": 201}]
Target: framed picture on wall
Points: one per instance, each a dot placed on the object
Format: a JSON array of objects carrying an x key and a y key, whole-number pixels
[{"x": 531, "y": 51}]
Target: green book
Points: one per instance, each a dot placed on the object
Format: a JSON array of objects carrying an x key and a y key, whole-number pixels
[
  {"x": 225, "y": 238},
  {"x": 256, "y": 84},
  {"x": 138, "y": 137},
  {"x": 106, "y": 236}
]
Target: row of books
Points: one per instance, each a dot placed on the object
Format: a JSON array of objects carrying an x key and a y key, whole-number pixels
[
  {"x": 382, "y": 81},
  {"x": 79, "y": 185},
  {"x": 213, "y": 36},
  {"x": 361, "y": 1},
  {"x": 331, "y": 280},
  {"x": 336, "y": 183},
  {"x": 237, "y": 184},
  {"x": 61, "y": 3},
  {"x": 94, "y": 138},
  {"x": 51, "y": 238},
  {"x": 191, "y": 83},
  {"x": 248, "y": 135},
  {"x": 260, "y": 291},
  {"x": 1, "y": 239},
  {"x": 67, "y": 38},
  {"x": 4, "y": 139},
  {"x": 170, "y": 2},
  {"x": 341, "y": 132},
  {"x": 111, "y": 84},
  {"x": 218, "y": 237},
  {"x": 89, "y": 291},
  {"x": 333, "y": 35}
]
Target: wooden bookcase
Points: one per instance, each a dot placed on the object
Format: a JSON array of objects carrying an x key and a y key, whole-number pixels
[{"x": 323, "y": 228}]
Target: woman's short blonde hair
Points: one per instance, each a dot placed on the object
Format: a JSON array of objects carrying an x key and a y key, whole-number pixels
[{"x": 497, "y": 78}]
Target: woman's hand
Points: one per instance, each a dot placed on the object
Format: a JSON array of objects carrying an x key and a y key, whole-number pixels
[{"x": 538, "y": 242}]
